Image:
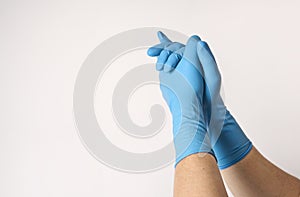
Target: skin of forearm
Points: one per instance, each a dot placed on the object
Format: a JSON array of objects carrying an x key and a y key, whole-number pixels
[
  {"x": 256, "y": 176},
  {"x": 198, "y": 175}
]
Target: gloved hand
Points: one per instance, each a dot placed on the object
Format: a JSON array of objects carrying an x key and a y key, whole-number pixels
[
  {"x": 229, "y": 142},
  {"x": 183, "y": 90}
]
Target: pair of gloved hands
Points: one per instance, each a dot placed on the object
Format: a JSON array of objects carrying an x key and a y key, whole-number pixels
[{"x": 190, "y": 83}]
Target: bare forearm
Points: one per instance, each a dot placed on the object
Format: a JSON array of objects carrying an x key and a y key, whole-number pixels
[
  {"x": 256, "y": 176},
  {"x": 198, "y": 175}
]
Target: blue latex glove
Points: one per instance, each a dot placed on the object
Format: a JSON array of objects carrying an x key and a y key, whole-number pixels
[
  {"x": 229, "y": 142},
  {"x": 183, "y": 90}
]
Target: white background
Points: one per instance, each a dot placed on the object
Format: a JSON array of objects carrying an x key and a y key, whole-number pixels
[{"x": 43, "y": 44}]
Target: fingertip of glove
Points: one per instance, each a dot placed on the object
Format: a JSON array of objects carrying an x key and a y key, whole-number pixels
[
  {"x": 159, "y": 66},
  {"x": 149, "y": 52},
  {"x": 201, "y": 44},
  {"x": 159, "y": 34},
  {"x": 196, "y": 37},
  {"x": 162, "y": 37},
  {"x": 152, "y": 51},
  {"x": 168, "y": 68},
  {"x": 193, "y": 40}
]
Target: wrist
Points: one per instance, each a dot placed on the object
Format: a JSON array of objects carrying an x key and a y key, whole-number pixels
[{"x": 191, "y": 140}]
